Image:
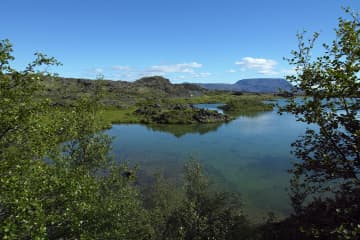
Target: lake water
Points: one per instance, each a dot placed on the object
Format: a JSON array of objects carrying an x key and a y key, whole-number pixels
[
  {"x": 250, "y": 155},
  {"x": 211, "y": 106}
]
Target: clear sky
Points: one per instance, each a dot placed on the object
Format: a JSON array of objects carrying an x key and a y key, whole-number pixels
[{"x": 186, "y": 41}]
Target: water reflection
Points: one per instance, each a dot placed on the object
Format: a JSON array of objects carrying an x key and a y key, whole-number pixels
[
  {"x": 250, "y": 155},
  {"x": 179, "y": 130}
]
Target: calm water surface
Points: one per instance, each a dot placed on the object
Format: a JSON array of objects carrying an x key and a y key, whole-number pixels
[
  {"x": 211, "y": 106},
  {"x": 250, "y": 155}
]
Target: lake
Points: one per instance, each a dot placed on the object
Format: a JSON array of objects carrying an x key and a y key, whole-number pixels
[{"x": 250, "y": 155}]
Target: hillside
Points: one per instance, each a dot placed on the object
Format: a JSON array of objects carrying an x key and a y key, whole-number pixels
[
  {"x": 255, "y": 85},
  {"x": 64, "y": 91}
]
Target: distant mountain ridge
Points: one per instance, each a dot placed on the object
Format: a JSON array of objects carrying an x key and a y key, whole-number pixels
[{"x": 255, "y": 85}]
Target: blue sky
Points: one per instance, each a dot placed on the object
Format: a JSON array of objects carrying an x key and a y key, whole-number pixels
[{"x": 186, "y": 41}]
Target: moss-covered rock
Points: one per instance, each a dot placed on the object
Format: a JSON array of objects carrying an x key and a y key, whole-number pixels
[{"x": 178, "y": 114}]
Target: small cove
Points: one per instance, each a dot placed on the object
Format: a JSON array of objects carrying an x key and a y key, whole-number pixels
[{"x": 250, "y": 155}]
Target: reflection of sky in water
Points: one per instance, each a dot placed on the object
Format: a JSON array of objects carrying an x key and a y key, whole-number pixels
[{"x": 250, "y": 155}]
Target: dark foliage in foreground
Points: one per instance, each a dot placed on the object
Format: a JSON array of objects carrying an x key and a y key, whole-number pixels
[
  {"x": 201, "y": 213},
  {"x": 325, "y": 189}
]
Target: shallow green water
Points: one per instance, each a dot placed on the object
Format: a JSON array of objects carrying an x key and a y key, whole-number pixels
[{"x": 250, "y": 155}]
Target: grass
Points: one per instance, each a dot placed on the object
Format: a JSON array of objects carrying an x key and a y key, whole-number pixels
[
  {"x": 114, "y": 115},
  {"x": 247, "y": 107},
  {"x": 216, "y": 97}
]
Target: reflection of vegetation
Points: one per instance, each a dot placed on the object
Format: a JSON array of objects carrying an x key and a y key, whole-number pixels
[{"x": 179, "y": 130}]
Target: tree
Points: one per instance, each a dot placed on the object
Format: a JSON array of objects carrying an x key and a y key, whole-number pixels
[
  {"x": 52, "y": 187},
  {"x": 204, "y": 213},
  {"x": 325, "y": 188}
]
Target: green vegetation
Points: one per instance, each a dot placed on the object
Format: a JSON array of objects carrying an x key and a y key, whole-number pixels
[
  {"x": 116, "y": 94},
  {"x": 245, "y": 106},
  {"x": 179, "y": 110},
  {"x": 113, "y": 115},
  {"x": 196, "y": 212},
  {"x": 59, "y": 181},
  {"x": 51, "y": 189},
  {"x": 325, "y": 189},
  {"x": 178, "y": 114},
  {"x": 222, "y": 97},
  {"x": 148, "y": 100}
]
